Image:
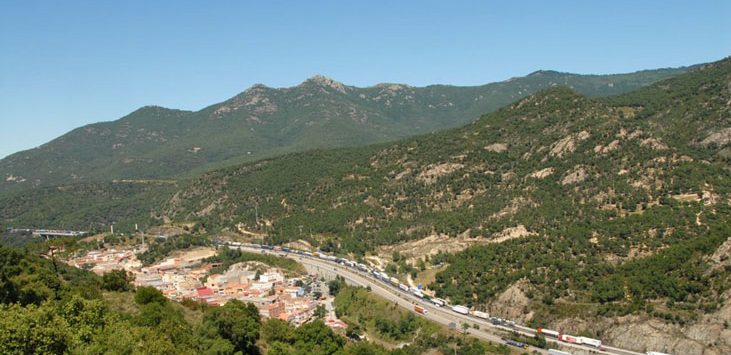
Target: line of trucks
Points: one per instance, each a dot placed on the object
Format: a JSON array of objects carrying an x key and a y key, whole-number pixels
[
  {"x": 569, "y": 338},
  {"x": 460, "y": 309}
]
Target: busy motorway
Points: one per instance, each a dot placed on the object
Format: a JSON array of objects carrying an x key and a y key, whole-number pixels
[{"x": 488, "y": 328}]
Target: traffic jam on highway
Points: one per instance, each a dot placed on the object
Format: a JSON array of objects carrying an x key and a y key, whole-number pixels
[{"x": 438, "y": 302}]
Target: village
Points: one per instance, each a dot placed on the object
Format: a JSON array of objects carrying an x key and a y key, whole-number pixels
[{"x": 297, "y": 299}]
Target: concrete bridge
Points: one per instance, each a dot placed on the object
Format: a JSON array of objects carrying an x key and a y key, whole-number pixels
[{"x": 55, "y": 233}]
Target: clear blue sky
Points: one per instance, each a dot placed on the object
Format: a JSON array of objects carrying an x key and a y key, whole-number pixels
[{"x": 67, "y": 63}]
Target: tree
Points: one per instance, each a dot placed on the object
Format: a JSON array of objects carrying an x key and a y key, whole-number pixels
[
  {"x": 473, "y": 347},
  {"x": 320, "y": 312},
  {"x": 152, "y": 314},
  {"x": 278, "y": 348},
  {"x": 334, "y": 286},
  {"x": 146, "y": 294},
  {"x": 276, "y": 330},
  {"x": 353, "y": 331},
  {"x": 117, "y": 280},
  {"x": 365, "y": 348},
  {"x": 317, "y": 338},
  {"x": 32, "y": 330},
  {"x": 238, "y": 323}
]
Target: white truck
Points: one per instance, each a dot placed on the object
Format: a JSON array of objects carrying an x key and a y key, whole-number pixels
[
  {"x": 589, "y": 341},
  {"x": 460, "y": 309},
  {"x": 480, "y": 314},
  {"x": 439, "y": 302},
  {"x": 548, "y": 332},
  {"x": 416, "y": 292}
]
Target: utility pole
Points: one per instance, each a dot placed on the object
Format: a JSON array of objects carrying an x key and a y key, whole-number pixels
[
  {"x": 256, "y": 213},
  {"x": 55, "y": 267},
  {"x": 53, "y": 258}
]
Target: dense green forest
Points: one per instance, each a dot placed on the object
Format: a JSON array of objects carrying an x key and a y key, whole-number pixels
[{"x": 89, "y": 207}]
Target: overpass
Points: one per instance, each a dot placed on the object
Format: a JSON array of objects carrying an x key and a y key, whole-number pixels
[{"x": 56, "y": 233}]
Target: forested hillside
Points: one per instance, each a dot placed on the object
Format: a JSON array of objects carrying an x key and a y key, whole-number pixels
[
  {"x": 586, "y": 214},
  {"x": 590, "y": 206},
  {"x": 261, "y": 122}
]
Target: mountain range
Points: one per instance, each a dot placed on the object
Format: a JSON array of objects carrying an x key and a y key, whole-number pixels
[
  {"x": 261, "y": 122},
  {"x": 601, "y": 216}
]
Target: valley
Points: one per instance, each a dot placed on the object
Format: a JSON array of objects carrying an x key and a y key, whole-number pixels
[{"x": 604, "y": 217}]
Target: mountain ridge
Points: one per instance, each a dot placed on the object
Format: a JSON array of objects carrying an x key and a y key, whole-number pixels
[{"x": 260, "y": 122}]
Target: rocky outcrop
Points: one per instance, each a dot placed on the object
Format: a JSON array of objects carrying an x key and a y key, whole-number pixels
[
  {"x": 708, "y": 336},
  {"x": 497, "y": 147},
  {"x": 540, "y": 174},
  {"x": 719, "y": 138},
  {"x": 512, "y": 303},
  {"x": 435, "y": 171}
]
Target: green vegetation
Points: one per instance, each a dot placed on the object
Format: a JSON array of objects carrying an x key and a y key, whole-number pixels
[
  {"x": 84, "y": 206},
  {"x": 162, "y": 247},
  {"x": 377, "y": 316},
  {"x": 597, "y": 206},
  {"x": 227, "y": 257},
  {"x": 598, "y": 185},
  {"x": 117, "y": 280},
  {"x": 388, "y": 322},
  {"x": 155, "y": 143}
]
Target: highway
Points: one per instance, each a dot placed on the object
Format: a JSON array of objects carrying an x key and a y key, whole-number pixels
[{"x": 443, "y": 315}]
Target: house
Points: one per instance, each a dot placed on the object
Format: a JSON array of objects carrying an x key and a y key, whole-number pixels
[
  {"x": 273, "y": 310},
  {"x": 203, "y": 293}
]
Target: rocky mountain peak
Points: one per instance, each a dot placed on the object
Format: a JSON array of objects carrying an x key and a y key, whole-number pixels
[
  {"x": 544, "y": 73},
  {"x": 326, "y": 82},
  {"x": 392, "y": 86}
]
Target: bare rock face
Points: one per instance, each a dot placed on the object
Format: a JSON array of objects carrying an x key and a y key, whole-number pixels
[
  {"x": 327, "y": 82},
  {"x": 518, "y": 231},
  {"x": 722, "y": 257},
  {"x": 540, "y": 174},
  {"x": 702, "y": 338},
  {"x": 435, "y": 171},
  {"x": 719, "y": 138},
  {"x": 568, "y": 144},
  {"x": 576, "y": 175},
  {"x": 710, "y": 335},
  {"x": 167, "y": 231},
  {"x": 654, "y": 143},
  {"x": 512, "y": 303},
  {"x": 497, "y": 147}
]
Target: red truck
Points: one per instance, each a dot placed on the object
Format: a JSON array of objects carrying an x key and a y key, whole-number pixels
[{"x": 419, "y": 309}]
